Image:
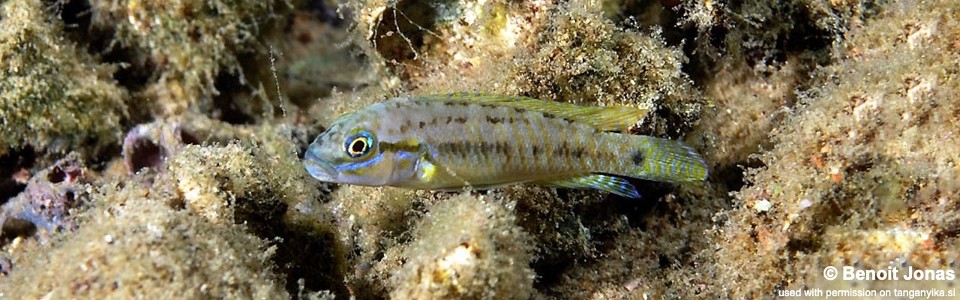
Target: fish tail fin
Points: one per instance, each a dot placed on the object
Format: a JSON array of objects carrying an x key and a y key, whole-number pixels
[{"x": 664, "y": 160}]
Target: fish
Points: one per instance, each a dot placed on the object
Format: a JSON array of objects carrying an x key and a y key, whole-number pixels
[{"x": 481, "y": 141}]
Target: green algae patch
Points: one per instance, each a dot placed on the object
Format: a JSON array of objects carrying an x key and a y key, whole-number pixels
[{"x": 54, "y": 97}]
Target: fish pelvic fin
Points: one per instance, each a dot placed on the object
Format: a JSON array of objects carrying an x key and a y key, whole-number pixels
[
  {"x": 601, "y": 182},
  {"x": 607, "y": 118},
  {"x": 665, "y": 160}
]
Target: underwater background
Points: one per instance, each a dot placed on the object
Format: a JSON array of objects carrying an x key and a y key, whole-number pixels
[{"x": 152, "y": 148}]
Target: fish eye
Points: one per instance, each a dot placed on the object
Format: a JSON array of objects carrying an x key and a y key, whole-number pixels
[{"x": 358, "y": 145}]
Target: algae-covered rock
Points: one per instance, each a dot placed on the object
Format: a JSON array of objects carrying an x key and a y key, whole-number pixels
[
  {"x": 142, "y": 248},
  {"x": 257, "y": 181},
  {"x": 580, "y": 56},
  {"x": 225, "y": 184},
  {"x": 466, "y": 248},
  {"x": 864, "y": 173},
  {"x": 552, "y": 51},
  {"x": 188, "y": 43},
  {"x": 770, "y": 32},
  {"x": 750, "y": 57},
  {"x": 373, "y": 222},
  {"x": 842, "y": 111},
  {"x": 54, "y": 97}
]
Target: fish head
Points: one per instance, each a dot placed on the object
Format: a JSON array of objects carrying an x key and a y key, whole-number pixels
[{"x": 349, "y": 152}]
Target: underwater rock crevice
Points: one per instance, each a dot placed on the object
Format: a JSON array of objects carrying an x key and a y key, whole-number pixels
[
  {"x": 16, "y": 171},
  {"x": 400, "y": 33},
  {"x": 224, "y": 105}
]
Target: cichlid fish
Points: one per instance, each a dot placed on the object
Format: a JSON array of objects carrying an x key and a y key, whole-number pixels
[{"x": 446, "y": 142}]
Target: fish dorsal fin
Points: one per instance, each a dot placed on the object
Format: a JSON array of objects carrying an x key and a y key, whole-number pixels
[
  {"x": 603, "y": 118},
  {"x": 601, "y": 182}
]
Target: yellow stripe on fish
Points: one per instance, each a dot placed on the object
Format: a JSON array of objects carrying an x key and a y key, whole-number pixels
[{"x": 452, "y": 141}]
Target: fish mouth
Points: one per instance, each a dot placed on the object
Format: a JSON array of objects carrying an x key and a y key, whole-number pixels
[{"x": 319, "y": 168}]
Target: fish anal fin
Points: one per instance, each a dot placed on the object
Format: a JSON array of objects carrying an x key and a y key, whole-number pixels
[
  {"x": 601, "y": 182},
  {"x": 607, "y": 118}
]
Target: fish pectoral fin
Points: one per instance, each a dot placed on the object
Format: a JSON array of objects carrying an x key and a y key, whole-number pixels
[
  {"x": 607, "y": 118},
  {"x": 430, "y": 173},
  {"x": 601, "y": 182},
  {"x": 427, "y": 170}
]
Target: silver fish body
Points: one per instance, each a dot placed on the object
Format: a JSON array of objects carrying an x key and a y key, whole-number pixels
[{"x": 446, "y": 142}]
